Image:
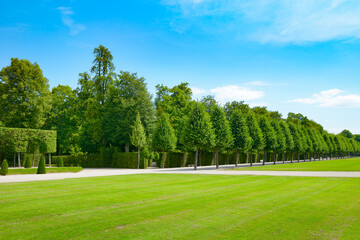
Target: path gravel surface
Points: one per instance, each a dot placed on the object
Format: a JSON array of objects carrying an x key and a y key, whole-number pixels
[{"x": 97, "y": 172}]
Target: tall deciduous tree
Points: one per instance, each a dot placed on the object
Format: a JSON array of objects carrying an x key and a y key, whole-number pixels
[
  {"x": 64, "y": 118},
  {"x": 164, "y": 138},
  {"x": 222, "y": 131},
  {"x": 198, "y": 129},
  {"x": 138, "y": 136},
  {"x": 103, "y": 69},
  {"x": 240, "y": 133},
  {"x": 127, "y": 97},
  {"x": 24, "y": 94}
]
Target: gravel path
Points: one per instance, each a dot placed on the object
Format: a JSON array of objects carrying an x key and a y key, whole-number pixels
[{"x": 187, "y": 170}]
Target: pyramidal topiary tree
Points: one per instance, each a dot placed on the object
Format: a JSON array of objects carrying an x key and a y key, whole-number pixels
[
  {"x": 41, "y": 167},
  {"x": 255, "y": 134},
  {"x": 138, "y": 136},
  {"x": 288, "y": 137},
  {"x": 198, "y": 129},
  {"x": 164, "y": 138},
  {"x": 4, "y": 167},
  {"x": 222, "y": 131},
  {"x": 27, "y": 161},
  {"x": 269, "y": 136},
  {"x": 240, "y": 131}
]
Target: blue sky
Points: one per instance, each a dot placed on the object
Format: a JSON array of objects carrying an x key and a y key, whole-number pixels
[{"x": 299, "y": 56}]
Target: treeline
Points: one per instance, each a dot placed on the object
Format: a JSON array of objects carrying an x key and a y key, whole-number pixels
[
  {"x": 112, "y": 108},
  {"x": 17, "y": 141}
]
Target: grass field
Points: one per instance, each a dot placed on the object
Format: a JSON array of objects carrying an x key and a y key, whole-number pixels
[
  {"x": 15, "y": 171},
  {"x": 347, "y": 164},
  {"x": 182, "y": 207}
]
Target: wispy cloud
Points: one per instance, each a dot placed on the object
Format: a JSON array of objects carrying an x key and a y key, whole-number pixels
[
  {"x": 332, "y": 98},
  {"x": 66, "y": 13},
  {"x": 230, "y": 93},
  {"x": 275, "y": 21},
  {"x": 197, "y": 91}
]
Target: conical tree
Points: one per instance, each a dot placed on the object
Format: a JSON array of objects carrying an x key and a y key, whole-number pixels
[
  {"x": 41, "y": 167},
  {"x": 138, "y": 136},
  {"x": 269, "y": 136},
  {"x": 4, "y": 167},
  {"x": 280, "y": 137},
  {"x": 255, "y": 134},
  {"x": 288, "y": 137},
  {"x": 221, "y": 126},
  {"x": 298, "y": 144},
  {"x": 240, "y": 133},
  {"x": 164, "y": 138},
  {"x": 198, "y": 129},
  {"x": 28, "y": 161}
]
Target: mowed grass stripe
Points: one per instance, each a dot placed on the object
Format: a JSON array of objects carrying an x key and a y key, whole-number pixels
[
  {"x": 346, "y": 165},
  {"x": 181, "y": 207}
]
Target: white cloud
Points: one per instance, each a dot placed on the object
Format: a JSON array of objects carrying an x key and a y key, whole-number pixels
[
  {"x": 197, "y": 91},
  {"x": 66, "y": 18},
  {"x": 235, "y": 93},
  {"x": 275, "y": 21},
  {"x": 332, "y": 98}
]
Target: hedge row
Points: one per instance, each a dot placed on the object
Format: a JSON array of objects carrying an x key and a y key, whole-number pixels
[{"x": 105, "y": 159}]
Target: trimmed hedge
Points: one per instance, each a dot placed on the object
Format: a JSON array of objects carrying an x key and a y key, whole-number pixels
[
  {"x": 109, "y": 159},
  {"x": 129, "y": 160},
  {"x": 60, "y": 162},
  {"x": 176, "y": 159}
]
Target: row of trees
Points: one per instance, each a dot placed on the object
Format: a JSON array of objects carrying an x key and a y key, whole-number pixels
[
  {"x": 24, "y": 140},
  {"x": 114, "y": 108},
  {"x": 243, "y": 130}
]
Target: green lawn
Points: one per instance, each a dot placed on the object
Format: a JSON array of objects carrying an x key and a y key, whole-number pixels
[
  {"x": 15, "y": 171},
  {"x": 182, "y": 207},
  {"x": 348, "y": 164}
]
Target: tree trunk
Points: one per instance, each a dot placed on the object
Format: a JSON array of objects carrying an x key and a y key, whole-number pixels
[
  {"x": 33, "y": 160},
  {"x": 200, "y": 157},
  {"x": 138, "y": 158},
  {"x": 196, "y": 157},
  {"x": 19, "y": 162},
  {"x": 283, "y": 157},
  {"x": 251, "y": 163},
  {"x": 14, "y": 159},
  {"x": 49, "y": 159},
  {"x": 264, "y": 157},
  {"x": 184, "y": 158},
  {"x": 217, "y": 157},
  {"x": 274, "y": 158},
  {"x": 127, "y": 147},
  {"x": 227, "y": 157},
  {"x": 237, "y": 158},
  {"x": 298, "y": 157},
  {"x": 291, "y": 157},
  {"x": 163, "y": 165}
]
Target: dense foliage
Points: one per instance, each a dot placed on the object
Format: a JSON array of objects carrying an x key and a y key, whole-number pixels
[{"x": 114, "y": 109}]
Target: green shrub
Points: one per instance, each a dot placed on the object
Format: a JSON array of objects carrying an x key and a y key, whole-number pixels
[
  {"x": 41, "y": 168},
  {"x": 4, "y": 168},
  {"x": 60, "y": 162},
  {"x": 27, "y": 161}
]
